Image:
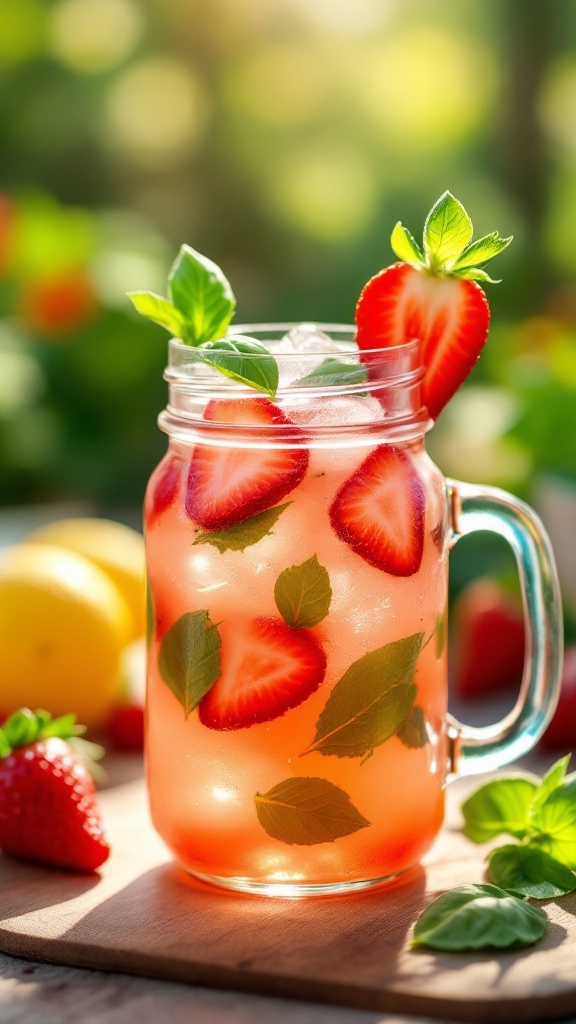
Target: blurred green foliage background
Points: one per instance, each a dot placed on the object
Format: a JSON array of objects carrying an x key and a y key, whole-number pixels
[{"x": 283, "y": 138}]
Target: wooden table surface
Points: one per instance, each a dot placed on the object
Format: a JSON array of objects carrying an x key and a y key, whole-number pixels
[{"x": 34, "y": 993}]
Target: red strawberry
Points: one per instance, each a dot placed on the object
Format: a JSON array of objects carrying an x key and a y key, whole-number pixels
[
  {"x": 379, "y": 511},
  {"x": 48, "y": 809},
  {"x": 267, "y": 668},
  {"x": 125, "y": 728},
  {"x": 164, "y": 488},
  {"x": 229, "y": 484},
  {"x": 561, "y": 733},
  {"x": 489, "y": 640},
  {"x": 432, "y": 295}
]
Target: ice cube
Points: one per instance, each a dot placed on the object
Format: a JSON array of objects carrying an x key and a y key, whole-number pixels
[
  {"x": 309, "y": 343},
  {"x": 307, "y": 338},
  {"x": 335, "y": 411}
]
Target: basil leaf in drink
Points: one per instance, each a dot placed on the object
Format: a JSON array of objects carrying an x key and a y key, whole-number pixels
[
  {"x": 235, "y": 358},
  {"x": 189, "y": 658},
  {"x": 303, "y": 594},
  {"x": 530, "y": 871},
  {"x": 479, "y": 917},
  {"x": 306, "y": 811},
  {"x": 370, "y": 701},
  {"x": 160, "y": 311},
  {"x": 243, "y": 535},
  {"x": 555, "y": 823},
  {"x": 447, "y": 231},
  {"x": 498, "y": 807},
  {"x": 440, "y": 631},
  {"x": 412, "y": 732},
  {"x": 552, "y": 780},
  {"x": 333, "y": 372},
  {"x": 202, "y": 295}
]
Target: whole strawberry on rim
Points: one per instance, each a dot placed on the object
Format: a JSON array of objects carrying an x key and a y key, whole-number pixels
[
  {"x": 433, "y": 295},
  {"x": 48, "y": 810}
]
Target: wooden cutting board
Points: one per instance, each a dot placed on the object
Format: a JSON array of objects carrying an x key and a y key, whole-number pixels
[{"x": 142, "y": 915}]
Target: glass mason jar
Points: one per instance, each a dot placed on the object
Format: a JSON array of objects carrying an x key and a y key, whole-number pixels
[{"x": 298, "y": 740}]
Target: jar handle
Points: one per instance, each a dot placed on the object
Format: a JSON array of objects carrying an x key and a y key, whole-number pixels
[{"x": 474, "y": 508}]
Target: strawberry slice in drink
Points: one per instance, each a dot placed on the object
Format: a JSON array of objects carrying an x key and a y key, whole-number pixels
[
  {"x": 267, "y": 668},
  {"x": 379, "y": 512},
  {"x": 433, "y": 295},
  {"x": 227, "y": 485},
  {"x": 164, "y": 488}
]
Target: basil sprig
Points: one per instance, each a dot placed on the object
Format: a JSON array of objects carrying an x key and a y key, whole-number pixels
[
  {"x": 198, "y": 310},
  {"x": 541, "y": 864}
]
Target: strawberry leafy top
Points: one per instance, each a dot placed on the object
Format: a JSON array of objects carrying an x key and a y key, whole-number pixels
[
  {"x": 447, "y": 247},
  {"x": 25, "y": 727}
]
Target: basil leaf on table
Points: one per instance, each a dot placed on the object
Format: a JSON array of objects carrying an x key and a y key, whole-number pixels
[
  {"x": 555, "y": 823},
  {"x": 552, "y": 780},
  {"x": 473, "y": 917},
  {"x": 530, "y": 871},
  {"x": 499, "y": 807}
]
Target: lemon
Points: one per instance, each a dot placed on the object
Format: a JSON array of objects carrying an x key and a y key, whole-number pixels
[
  {"x": 116, "y": 549},
  {"x": 63, "y": 627}
]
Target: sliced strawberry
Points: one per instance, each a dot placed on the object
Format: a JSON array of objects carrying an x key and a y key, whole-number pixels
[
  {"x": 229, "y": 484},
  {"x": 267, "y": 668},
  {"x": 379, "y": 512},
  {"x": 450, "y": 316},
  {"x": 432, "y": 295},
  {"x": 164, "y": 489}
]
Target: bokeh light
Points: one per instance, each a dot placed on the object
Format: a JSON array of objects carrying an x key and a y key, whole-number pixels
[
  {"x": 156, "y": 113},
  {"x": 94, "y": 35}
]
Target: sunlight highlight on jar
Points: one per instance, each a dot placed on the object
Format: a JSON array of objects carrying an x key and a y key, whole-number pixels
[
  {"x": 325, "y": 194},
  {"x": 157, "y": 113},
  {"x": 94, "y": 35}
]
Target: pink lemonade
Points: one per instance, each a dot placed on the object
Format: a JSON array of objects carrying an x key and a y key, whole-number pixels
[{"x": 317, "y": 756}]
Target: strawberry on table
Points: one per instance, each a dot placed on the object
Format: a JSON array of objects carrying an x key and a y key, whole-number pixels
[
  {"x": 561, "y": 733},
  {"x": 227, "y": 485},
  {"x": 433, "y": 295},
  {"x": 48, "y": 810},
  {"x": 267, "y": 669},
  {"x": 379, "y": 511},
  {"x": 490, "y": 640}
]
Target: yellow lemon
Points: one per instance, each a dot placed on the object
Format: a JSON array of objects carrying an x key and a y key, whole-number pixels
[
  {"x": 116, "y": 549},
  {"x": 63, "y": 627}
]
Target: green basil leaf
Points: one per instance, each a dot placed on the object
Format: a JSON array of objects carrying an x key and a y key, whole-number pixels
[
  {"x": 552, "y": 780},
  {"x": 412, "y": 733},
  {"x": 303, "y": 594},
  {"x": 370, "y": 701},
  {"x": 235, "y": 358},
  {"x": 447, "y": 232},
  {"x": 500, "y": 806},
  {"x": 244, "y": 535},
  {"x": 479, "y": 917},
  {"x": 307, "y": 811},
  {"x": 189, "y": 658},
  {"x": 440, "y": 630},
  {"x": 334, "y": 372},
  {"x": 530, "y": 871},
  {"x": 555, "y": 823},
  {"x": 160, "y": 311},
  {"x": 405, "y": 246},
  {"x": 202, "y": 296},
  {"x": 482, "y": 251}
]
